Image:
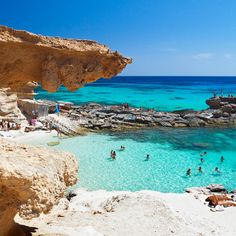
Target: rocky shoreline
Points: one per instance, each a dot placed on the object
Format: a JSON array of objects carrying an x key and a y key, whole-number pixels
[{"x": 97, "y": 117}]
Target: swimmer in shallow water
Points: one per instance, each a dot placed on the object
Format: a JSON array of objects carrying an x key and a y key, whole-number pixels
[
  {"x": 202, "y": 160},
  {"x": 113, "y": 155},
  {"x": 147, "y": 157},
  {"x": 203, "y": 154},
  {"x": 200, "y": 169},
  {"x": 217, "y": 170},
  {"x": 222, "y": 159},
  {"x": 188, "y": 172}
]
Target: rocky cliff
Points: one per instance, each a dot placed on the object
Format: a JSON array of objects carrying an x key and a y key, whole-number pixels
[
  {"x": 32, "y": 180},
  {"x": 54, "y": 61},
  {"x": 8, "y": 105},
  {"x": 27, "y": 59}
]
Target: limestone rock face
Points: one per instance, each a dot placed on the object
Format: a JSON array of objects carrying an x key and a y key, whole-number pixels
[
  {"x": 8, "y": 105},
  {"x": 32, "y": 180},
  {"x": 54, "y": 61}
]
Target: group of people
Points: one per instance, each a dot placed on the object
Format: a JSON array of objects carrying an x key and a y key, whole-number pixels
[
  {"x": 6, "y": 125},
  {"x": 216, "y": 170},
  {"x": 113, "y": 153},
  {"x": 125, "y": 106},
  {"x": 122, "y": 148},
  {"x": 188, "y": 172}
]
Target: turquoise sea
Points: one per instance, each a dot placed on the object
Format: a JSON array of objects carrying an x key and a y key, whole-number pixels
[
  {"x": 161, "y": 93},
  {"x": 172, "y": 151}
]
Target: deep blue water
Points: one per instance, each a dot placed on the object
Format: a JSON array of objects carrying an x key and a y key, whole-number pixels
[{"x": 160, "y": 93}]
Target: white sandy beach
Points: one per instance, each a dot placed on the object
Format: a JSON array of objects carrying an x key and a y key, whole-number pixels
[
  {"x": 23, "y": 137},
  {"x": 141, "y": 213}
]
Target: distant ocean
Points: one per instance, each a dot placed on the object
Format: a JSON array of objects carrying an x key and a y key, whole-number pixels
[
  {"x": 172, "y": 151},
  {"x": 160, "y": 93}
]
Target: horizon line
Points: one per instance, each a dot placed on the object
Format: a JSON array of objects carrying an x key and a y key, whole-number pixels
[{"x": 174, "y": 76}]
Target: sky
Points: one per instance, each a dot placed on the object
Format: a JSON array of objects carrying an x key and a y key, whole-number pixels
[{"x": 164, "y": 37}]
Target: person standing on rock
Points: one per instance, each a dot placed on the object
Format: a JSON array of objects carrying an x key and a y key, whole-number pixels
[{"x": 57, "y": 109}]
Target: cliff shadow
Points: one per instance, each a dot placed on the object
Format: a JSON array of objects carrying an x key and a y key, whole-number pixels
[{"x": 23, "y": 230}]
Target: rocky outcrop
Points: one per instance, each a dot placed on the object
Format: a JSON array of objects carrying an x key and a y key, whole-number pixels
[
  {"x": 226, "y": 104},
  {"x": 53, "y": 61},
  {"x": 8, "y": 105},
  {"x": 27, "y": 59},
  {"x": 94, "y": 116},
  {"x": 208, "y": 190},
  {"x": 32, "y": 180}
]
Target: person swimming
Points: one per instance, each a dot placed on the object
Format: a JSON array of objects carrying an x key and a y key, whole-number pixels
[
  {"x": 202, "y": 160},
  {"x": 111, "y": 152},
  {"x": 222, "y": 159},
  {"x": 200, "y": 169},
  {"x": 203, "y": 154},
  {"x": 122, "y": 148},
  {"x": 147, "y": 157},
  {"x": 188, "y": 172},
  {"x": 217, "y": 170},
  {"x": 113, "y": 155}
]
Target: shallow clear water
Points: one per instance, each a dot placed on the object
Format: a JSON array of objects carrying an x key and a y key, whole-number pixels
[
  {"x": 161, "y": 93},
  {"x": 172, "y": 152}
]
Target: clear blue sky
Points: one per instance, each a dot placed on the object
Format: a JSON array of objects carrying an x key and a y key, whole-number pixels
[{"x": 164, "y": 37}]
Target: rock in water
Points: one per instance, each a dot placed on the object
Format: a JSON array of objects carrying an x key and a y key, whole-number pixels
[{"x": 217, "y": 188}]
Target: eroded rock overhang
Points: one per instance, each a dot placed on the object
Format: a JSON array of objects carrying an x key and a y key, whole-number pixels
[{"x": 54, "y": 61}]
